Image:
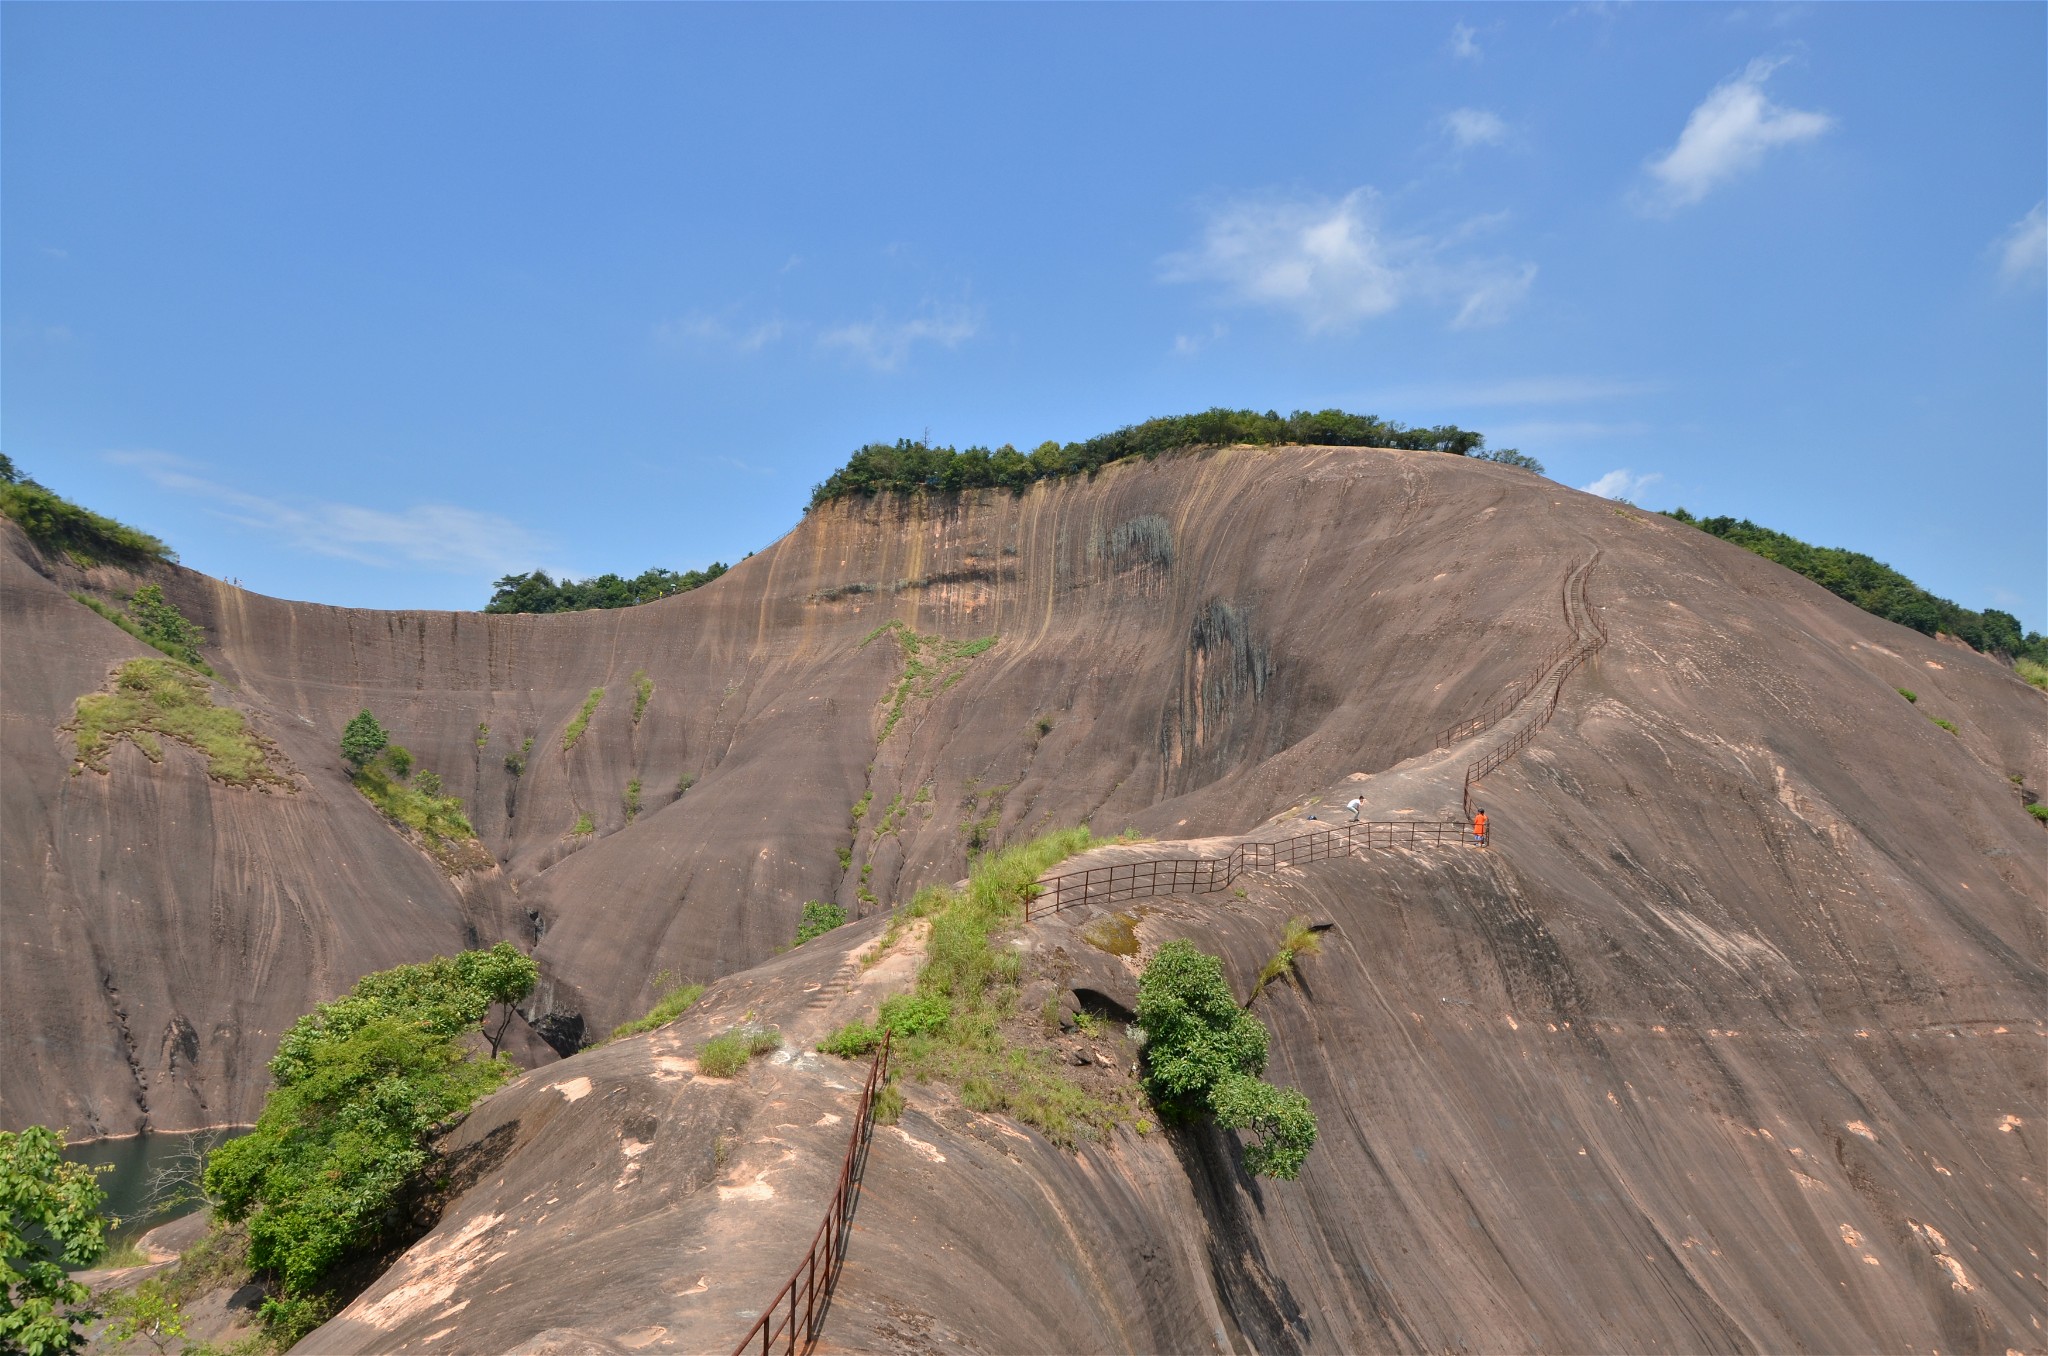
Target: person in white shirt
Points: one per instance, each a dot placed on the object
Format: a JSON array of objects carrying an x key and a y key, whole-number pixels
[{"x": 1355, "y": 804}]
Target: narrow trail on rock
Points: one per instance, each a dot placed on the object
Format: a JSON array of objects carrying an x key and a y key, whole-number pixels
[{"x": 1115, "y": 874}]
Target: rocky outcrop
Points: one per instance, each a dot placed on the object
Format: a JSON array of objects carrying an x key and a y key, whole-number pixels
[{"x": 1732, "y": 1041}]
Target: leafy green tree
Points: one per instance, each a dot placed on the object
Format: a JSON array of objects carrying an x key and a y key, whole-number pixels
[
  {"x": 1195, "y": 1033},
  {"x": 818, "y": 919},
  {"x": 536, "y": 592},
  {"x": 1280, "y": 1120},
  {"x": 1510, "y": 456},
  {"x": 908, "y": 466},
  {"x": 44, "y": 1197},
  {"x": 56, "y": 524},
  {"x": 148, "y": 1311},
  {"x": 344, "y": 1137},
  {"x": 1203, "y": 1055},
  {"x": 504, "y": 975},
  {"x": 165, "y": 627},
  {"x": 362, "y": 739},
  {"x": 1879, "y": 589}
]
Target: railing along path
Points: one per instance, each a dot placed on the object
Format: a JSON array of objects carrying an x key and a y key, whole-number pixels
[{"x": 792, "y": 1320}]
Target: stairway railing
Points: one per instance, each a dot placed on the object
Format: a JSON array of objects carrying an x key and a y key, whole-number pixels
[{"x": 792, "y": 1320}]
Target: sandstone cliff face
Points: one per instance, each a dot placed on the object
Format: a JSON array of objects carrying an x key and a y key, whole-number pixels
[
  {"x": 1199, "y": 639},
  {"x": 1733, "y": 1041}
]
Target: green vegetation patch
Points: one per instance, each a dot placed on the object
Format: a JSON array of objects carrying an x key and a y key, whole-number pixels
[
  {"x": 582, "y": 719},
  {"x": 151, "y": 700},
  {"x": 151, "y": 619},
  {"x": 583, "y": 826},
  {"x": 818, "y": 919},
  {"x": 2034, "y": 670},
  {"x": 343, "y": 1141},
  {"x": 931, "y": 664},
  {"x": 60, "y": 526},
  {"x": 1879, "y": 589},
  {"x": 388, "y": 777},
  {"x": 643, "y": 693},
  {"x": 537, "y": 593},
  {"x": 910, "y": 466},
  {"x": 1908, "y": 694},
  {"x": 1116, "y": 933},
  {"x": 674, "y": 1001},
  {"x": 1945, "y": 724},
  {"x": 2038, "y": 811},
  {"x": 723, "y": 1056},
  {"x": 49, "y": 1219},
  {"x": 950, "y": 1027},
  {"x": 1299, "y": 940},
  {"x": 1203, "y": 1055},
  {"x": 631, "y": 800}
]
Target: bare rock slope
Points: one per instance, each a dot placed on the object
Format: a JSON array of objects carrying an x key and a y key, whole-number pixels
[{"x": 1732, "y": 1041}]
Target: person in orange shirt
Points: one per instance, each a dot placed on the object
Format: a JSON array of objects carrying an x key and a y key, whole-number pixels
[{"x": 1479, "y": 828}]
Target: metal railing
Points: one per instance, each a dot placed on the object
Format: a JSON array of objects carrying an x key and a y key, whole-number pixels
[
  {"x": 1573, "y": 656},
  {"x": 1118, "y": 882},
  {"x": 792, "y": 1320}
]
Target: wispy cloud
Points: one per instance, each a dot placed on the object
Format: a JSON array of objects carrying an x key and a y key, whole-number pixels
[
  {"x": 438, "y": 537},
  {"x": 1188, "y": 345},
  {"x": 1471, "y": 127},
  {"x": 719, "y": 331},
  {"x": 58, "y": 254},
  {"x": 1333, "y": 264},
  {"x": 1622, "y": 484},
  {"x": 1729, "y": 134},
  {"x": 1464, "y": 44},
  {"x": 2023, "y": 250},
  {"x": 885, "y": 344}
]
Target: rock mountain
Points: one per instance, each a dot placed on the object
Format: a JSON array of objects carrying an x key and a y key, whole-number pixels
[{"x": 1733, "y": 1040}]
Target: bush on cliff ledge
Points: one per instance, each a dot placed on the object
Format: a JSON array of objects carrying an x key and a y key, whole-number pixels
[{"x": 359, "y": 1086}]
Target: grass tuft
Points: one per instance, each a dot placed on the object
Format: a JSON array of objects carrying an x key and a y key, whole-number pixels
[
  {"x": 151, "y": 700},
  {"x": 582, "y": 720},
  {"x": 723, "y": 1056},
  {"x": 671, "y": 1005},
  {"x": 950, "y": 1028}
]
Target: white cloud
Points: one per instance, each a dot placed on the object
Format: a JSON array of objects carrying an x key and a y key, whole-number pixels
[
  {"x": 718, "y": 331},
  {"x": 55, "y": 253},
  {"x": 438, "y": 537},
  {"x": 1475, "y": 127},
  {"x": 1622, "y": 484},
  {"x": 2023, "y": 250},
  {"x": 885, "y": 344},
  {"x": 1188, "y": 345},
  {"x": 1333, "y": 264},
  {"x": 1462, "y": 45},
  {"x": 1727, "y": 135}
]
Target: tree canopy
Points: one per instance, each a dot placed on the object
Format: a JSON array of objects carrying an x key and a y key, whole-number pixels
[
  {"x": 1879, "y": 589},
  {"x": 359, "y": 1086},
  {"x": 56, "y": 524},
  {"x": 1203, "y": 1055},
  {"x": 537, "y": 593},
  {"x": 42, "y": 1197},
  {"x": 362, "y": 739},
  {"x": 909, "y": 465}
]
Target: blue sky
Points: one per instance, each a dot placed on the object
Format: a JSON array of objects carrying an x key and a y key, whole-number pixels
[{"x": 370, "y": 304}]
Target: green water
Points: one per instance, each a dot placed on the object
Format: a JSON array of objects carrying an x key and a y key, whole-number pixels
[{"x": 139, "y": 1186}]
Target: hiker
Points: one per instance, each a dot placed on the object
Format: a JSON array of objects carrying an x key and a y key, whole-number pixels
[
  {"x": 1479, "y": 828},
  {"x": 1355, "y": 804}
]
